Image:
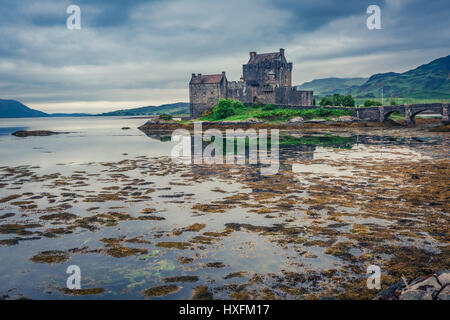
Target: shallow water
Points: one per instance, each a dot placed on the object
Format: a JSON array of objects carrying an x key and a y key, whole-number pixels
[{"x": 340, "y": 202}]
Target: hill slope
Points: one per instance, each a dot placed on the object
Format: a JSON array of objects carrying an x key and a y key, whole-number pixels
[
  {"x": 15, "y": 109},
  {"x": 329, "y": 86},
  {"x": 179, "y": 108},
  {"x": 428, "y": 81}
]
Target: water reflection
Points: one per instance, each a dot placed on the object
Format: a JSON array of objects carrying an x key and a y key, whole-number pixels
[{"x": 113, "y": 201}]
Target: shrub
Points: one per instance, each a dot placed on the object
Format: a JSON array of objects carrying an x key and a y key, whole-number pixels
[
  {"x": 370, "y": 103},
  {"x": 257, "y": 105},
  {"x": 323, "y": 112},
  {"x": 165, "y": 117},
  {"x": 280, "y": 114},
  {"x": 235, "y": 104},
  {"x": 269, "y": 107},
  {"x": 223, "y": 109},
  {"x": 207, "y": 113}
]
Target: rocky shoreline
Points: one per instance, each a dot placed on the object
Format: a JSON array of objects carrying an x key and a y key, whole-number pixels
[
  {"x": 345, "y": 122},
  {"x": 431, "y": 287}
]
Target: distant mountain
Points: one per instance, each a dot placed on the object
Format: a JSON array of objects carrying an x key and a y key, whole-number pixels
[
  {"x": 428, "y": 81},
  {"x": 15, "y": 109},
  {"x": 329, "y": 86},
  {"x": 70, "y": 115},
  {"x": 179, "y": 108}
]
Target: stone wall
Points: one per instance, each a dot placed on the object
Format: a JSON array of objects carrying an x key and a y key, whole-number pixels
[
  {"x": 291, "y": 96},
  {"x": 258, "y": 74},
  {"x": 204, "y": 95},
  {"x": 237, "y": 90}
]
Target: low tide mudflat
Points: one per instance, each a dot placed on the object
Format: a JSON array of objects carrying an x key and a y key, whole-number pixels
[{"x": 142, "y": 227}]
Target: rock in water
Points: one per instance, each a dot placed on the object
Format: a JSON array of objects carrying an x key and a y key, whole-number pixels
[
  {"x": 296, "y": 120},
  {"x": 431, "y": 287},
  {"x": 35, "y": 133}
]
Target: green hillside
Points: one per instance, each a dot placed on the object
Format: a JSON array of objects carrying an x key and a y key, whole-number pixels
[
  {"x": 429, "y": 81},
  {"x": 426, "y": 83},
  {"x": 329, "y": 86},
  {"x": 179, "y": 108}
]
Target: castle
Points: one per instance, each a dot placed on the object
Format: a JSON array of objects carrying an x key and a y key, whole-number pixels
[{"x": 266, "y": 78}]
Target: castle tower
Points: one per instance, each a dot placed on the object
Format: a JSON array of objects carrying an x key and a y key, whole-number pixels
[
  {"x": 205, "y": 90},
  {"x": 268, "y": 67}
]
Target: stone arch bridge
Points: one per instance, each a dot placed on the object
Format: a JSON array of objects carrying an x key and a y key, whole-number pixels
[{"x": 382, "y": 113}]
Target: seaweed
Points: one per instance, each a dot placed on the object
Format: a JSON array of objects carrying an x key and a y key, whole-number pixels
[
  {"x": 202, "y": 293},
  {"x": 50, "y": 257},
  {"x": 182, "y": 279},
  {"x": 160, "y": 291}
]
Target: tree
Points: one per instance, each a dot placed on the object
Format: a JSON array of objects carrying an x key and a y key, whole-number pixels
[
  {"x": 337, "y": 99},
  {"x": 348, "y": 101},
  {"x": 370, "y": 103},
  {"x": 326, "y": 101}
]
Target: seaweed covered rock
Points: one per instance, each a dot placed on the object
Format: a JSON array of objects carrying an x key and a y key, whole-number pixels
[{"x": 35, "y": 133}]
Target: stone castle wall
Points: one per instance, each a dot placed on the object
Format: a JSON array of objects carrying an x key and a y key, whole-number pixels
[
  {"x": 291, "y": 96},
  {"x": 204, "y": 95}
]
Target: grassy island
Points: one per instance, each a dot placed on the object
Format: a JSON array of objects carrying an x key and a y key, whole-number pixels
[{"x": 231, "y": 110}]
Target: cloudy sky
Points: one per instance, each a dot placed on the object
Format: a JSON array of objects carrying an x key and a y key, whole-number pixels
[{"x": 136, "y": 53}]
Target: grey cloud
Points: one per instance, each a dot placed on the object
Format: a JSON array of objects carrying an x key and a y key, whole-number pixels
[{"x": 146, "y": 50}]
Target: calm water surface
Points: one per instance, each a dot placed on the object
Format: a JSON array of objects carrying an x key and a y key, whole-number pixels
[{"x": 102, "y": 170}]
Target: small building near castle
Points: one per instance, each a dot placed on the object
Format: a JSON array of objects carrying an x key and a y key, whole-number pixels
[{"x": 266, "y": 78}]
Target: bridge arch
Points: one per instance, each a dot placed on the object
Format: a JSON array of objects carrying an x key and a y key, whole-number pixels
[
  {"x": 388, "y": 113},
  {"x": 414, "y": 110}
]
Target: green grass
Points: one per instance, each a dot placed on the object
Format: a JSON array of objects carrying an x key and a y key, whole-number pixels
[
  {"x": 396, "y": 116},
  {"x": 323, "y": 141},
  {"x": 328, "y": 140},
  {"x": 281, "y": 115}
]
